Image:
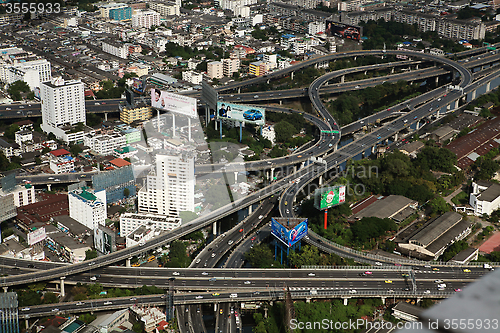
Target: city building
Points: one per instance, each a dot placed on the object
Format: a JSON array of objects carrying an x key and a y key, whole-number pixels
[
  {"x": 215, "y": 70},
  {"x": 129, "y": 115},
  {"x": 131, "y": 134},
  {"x": 465, "y": 256},
  {"x": 131, "y": 221},
  {"x": 114, "y": 183},
  {"x": 230, "y": 66},
  {"x": 434, "y": 237},
  {"x": 63, "y": 105},
  {"x": 171, "y": 189},
  {"x": 17, "y": 64},
  {"x": 442, "y": 134},
  {"x": 120, "y": 14},
  {"x": 9, "y": 149},
  {"x": 375, "y": 14},
  {"x": 42, "y": 211},
  {"x": 115, "y": 48},
  {"x": 125, "y": 152},
  {"x": 23, "y": 194},
  {"x": 192, "y": 77},
  {"x": 149, "y": 317},
  {"x": 233, "y": 4},
  {"x": 444, "y": 26},
  {"x": 257, "y": 68},
  {"x": 166, "y": 8},
  {"x": 316, "y": 27},
  {"x": 62, "y": 164},
  {"x": 9, "y": 317},
  {"x": 395, "y": 207},
  {"x": 142, "y": 234},
  {"x": 485, "y": 197},
  {"x": 145, "y": 19},
  {"x": 71, "y": 227},
  {"x": 104, "y": 144},
  {"x": 7, "y": 207},
  {"x": 64, "y": 246},
  {"x": 113, "y": 321},
  {"x": 88, "y": 207},
  {"x": 106, "y": 8}
]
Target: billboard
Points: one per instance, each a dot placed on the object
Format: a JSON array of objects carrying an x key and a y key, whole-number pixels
[
  {"x": 325, "y": 198},
  {"x": 173, "y": 102},
  {"x": 343, "y": 30},
  {"x": 289, "y": 237},
  {"x": 237, "y": 112},
  {"x": 138, "y": 86},
  {"x": 37, "y": 93},
  {"x": 36, "y": 236},
  {"x": 104, "y": 240},
  {"x": 209, "y": 95}
]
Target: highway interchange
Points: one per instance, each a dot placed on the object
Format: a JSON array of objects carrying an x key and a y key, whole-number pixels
[{"x": 263, "y": 279}]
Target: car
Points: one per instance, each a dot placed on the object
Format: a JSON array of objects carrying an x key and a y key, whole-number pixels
[
  {"x": 256, "y": 293},
  {"x": 209, "y": 249},
  {"x": 353, "y": 291},
  {"x": 261, "y": 217},
  {"x": 466, "y": 270},
  {"x": 103, "y": 103},
  {"x": 93, "y": 278},
  {"x": 31, "y": 266},
  {"x": 198, "y": 261},
  {"x": 330, "y": 145},
  {"x": 286, "y": 203},
  {"x": 427, "y": 292},
  {"x": 247, "y": 282},
  {"x": 57, "y": 180},
  {"x": 79, "y": 303},
  {"x": 397, "y": 264},
  {"x": 50, "y": 178},
  {"x": 133, "y": 299},
  {"x": 311, "y": 274},
  {"x": 252, "y": 114},
  {"x": 21, "y": 107},
  {"x": 362, "y": 274},
  {"x": 55, "y": 310},
  {"x": 390, "y": 291},
  {"x": 288, "y": 211},
  {"x": 108, "y": 303},
  {"x": 25, "y": 309},
  {"x": 215, "y": 294},
  {"x": 439, "y": 99},
  {"x": 97, "y": 103},
  {"x": 427, "y": 266},
  {"x": 388, "y": 281},
  {"x": 204, "y": 273},
  {"x": 241, "y": 230},
  {"x": 8, "y": 109},
  {"x": 83, "y": 176},
  {"x": 213, "y": 255},
  {"x": 415, "y": 117},
  {"x": 221, "y": 311},
  {"x": 176, "y": 273},
  {"x": 212, "y": 279},
  {"x": 357, "y": 87},
  {"x": 253, "y": 238},
  {"x": 435, "y": 269},
  {"x": 199, "y": 297},
  {"x": 368, "y": 273},
  {"x": 256, "y": 96},
  {"x": 230, "y": 242},
  {"x": 378, "y": 263},
  {"x": 438, "y": 281},
  {"x": 458, "y": 290}
]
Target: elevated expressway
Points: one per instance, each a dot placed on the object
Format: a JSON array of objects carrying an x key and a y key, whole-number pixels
[{"x": 306, "y": 174}]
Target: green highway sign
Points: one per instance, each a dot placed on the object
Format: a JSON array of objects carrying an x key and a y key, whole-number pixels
[{"x": 331, "y": 132}]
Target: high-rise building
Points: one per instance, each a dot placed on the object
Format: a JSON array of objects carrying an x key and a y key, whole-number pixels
[
  {"x": 9, "y": 317},
  {"x": 166, "y": 9},
  {"x": 230, "y": 66},
  {"x": 171, "y": 189},
  {"x": 215, "y": 70},
  {"x": 63, "y": 105},
  {"x": 145, "y": 19},
  {"x": 23, "y": 194},
  {"x": 129, "y": 115},
  {"x": 17, "y": 64},
  {"x": 88, "y": 207}
]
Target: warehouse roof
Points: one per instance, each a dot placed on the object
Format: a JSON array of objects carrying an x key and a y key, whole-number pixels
[{"x": 434, "y": 229}]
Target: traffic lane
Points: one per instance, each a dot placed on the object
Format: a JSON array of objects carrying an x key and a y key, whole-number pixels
[{"x": 236, "y": 259}]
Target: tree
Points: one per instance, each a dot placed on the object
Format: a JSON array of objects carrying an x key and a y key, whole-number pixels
[
  {"x": 90, "y": 254},
  {"x": 439, "y": 205},
  {"x": 137, "y": 328},
  {"x": 126, "y": 192},
  {"x": 11, "y": 131},
  {"x": 261, "y": 256},
  {"x": 50, "y": 298},
  {"x": 75, "y": 150},
  {"x": 15, "y": 89},
  {"x": 284, "y": 131}
]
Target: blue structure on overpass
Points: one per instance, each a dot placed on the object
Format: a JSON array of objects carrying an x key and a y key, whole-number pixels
[{"x": 288, "y": 233}]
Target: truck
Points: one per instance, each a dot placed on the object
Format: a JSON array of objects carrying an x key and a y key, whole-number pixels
[
  {"x": 487, "y": 266},
  {"x": 313, "y": 292}
]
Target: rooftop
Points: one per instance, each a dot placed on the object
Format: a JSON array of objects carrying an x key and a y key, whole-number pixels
[
  {"x": 490, "y": 194},
  {"x": 119, "y": 162},
  {"x": 60, "y": 152},
  {"x": 408, "y": 308},
  {"x": 385, "y": 208},
  {"x": 463, "y": 255},
  {"x": 435, "y": 228}
]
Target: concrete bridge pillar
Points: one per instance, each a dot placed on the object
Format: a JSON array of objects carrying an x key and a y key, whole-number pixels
[
  {"x": 214, "y": 228},
  {"x": 105, "y": 116},
  {"x": 294, "y": 168},
  {"x": 437, "y": 80},
  {"x": 62, "y": 286},
  {"x": 235, "y": 177},
  {"x": 474, "y": 94},
  {"x": 302, "y": 164},
  {"x": 366, "y": 72},
  {"x": 267, "y": 175},
  {"x": 49, "y": 187},
  {"x": 346, "y": 301},
  {"x": 321, "y": 180},
  {"x": 488, "y": 86},
  {"x": 239, "y": 90},
  {"x": 396, "y": 136},
  {"x": 416, "y": 67},
  {"x": 250, "y": 210},
  {"x": 418, "y": 125},
  {"x": 272, "y": 173},
  {"x": 383, "y": 300},
  {"x": 281, "y": 102},
  {"x": 373, "y": 150},
  {"x": 419, "y": 300},
  {"x": 392, "y": 70},
  {"x": 265, "y": 312},
  {"x": 27, "y": 323},
  {"x": 291, "y": 75},
  {"x": 127, "y": 262},
  {"x": 355, "y": 58},
  {"x": 342, "y": 78},
  {"x": 308, "y": 300},
  {"x": 268, "y": 81},
  {"x": 5, "y": 289}
]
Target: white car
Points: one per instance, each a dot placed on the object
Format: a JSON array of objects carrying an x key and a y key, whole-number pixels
[
  {"x": 51, "y": 178},
  {"x": 79, "y": 303},
  {"x": 93, "y": 278},
  {"x": 108, "y": 303},
  {"x": 357, "y": 87},
  {"x": 311, "y": 274},
  {"x": 378, "y": 263},
  {"x": 204, "y": 273},
  {"x": 198, "y": 261},
  {"x": 438, "y": 281},
  {"x": 199, "y": 297},
  {"x": 57, "y": 180},
  {"x": 230, "y": 242},
  {"x": 176, "y": 273},
  {"x": 213, "y": 255},
  {"x": 352, "y": 291},
  {"x": 261, "y": 217},
  {"x": 247, "y": 282},
  {"x": 25, "y": 309},
  {"x": 55, "y": 310},
  {"x": 427, "y": 292}
]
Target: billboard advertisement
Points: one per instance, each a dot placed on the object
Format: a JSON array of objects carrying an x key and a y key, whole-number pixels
[
  {"x": 237, "y": 112},
  {"x": 36, "y": 236},
  {"x": 37, "y": 93},
  {"x": 328, "y": 197},
  {"x": 174, "y": 103},
  {"x": 291, "y": 237},
  {"x": 343, "y": 30},
  {"x": 138, "y": 86}
]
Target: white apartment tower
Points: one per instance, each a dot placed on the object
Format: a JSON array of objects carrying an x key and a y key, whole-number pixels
[
  {"x": 87, "y": 207},
  {"x": 63, "y": 104},
  {"x": 145, "y": 19},
  {"x": 171, "y": 190}
]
